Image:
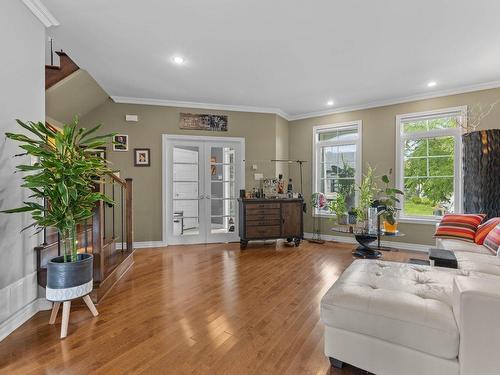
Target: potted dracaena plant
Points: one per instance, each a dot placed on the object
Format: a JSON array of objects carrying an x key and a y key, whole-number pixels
[{"x": 63, "y": 176}]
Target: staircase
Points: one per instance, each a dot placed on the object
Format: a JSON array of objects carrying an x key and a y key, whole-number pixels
[
  {"x": 108, "y": 236},
  {"x": 54, "y": 73}
]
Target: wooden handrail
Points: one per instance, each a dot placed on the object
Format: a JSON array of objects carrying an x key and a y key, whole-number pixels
[{"x": 121, "y": 181}]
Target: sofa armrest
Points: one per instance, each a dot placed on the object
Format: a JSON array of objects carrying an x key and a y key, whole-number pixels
[{"x": 476, "y": 306}]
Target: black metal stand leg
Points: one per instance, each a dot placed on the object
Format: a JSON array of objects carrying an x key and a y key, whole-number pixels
[{"x": 336, "y": 363}]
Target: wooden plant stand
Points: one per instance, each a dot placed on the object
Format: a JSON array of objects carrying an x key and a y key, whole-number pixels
[{"x": 65, "y": 313}]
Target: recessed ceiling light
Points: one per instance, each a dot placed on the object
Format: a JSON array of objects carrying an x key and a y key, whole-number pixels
[
  {"x": 432, "y": 84},
  {"x": 179, "y": 60},
  {"x": 329, "y": 103}
]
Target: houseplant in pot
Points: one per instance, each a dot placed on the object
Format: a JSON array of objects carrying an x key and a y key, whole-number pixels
[
  {"x": 338, "y": 207},
  {"x": 389, "y": 200},
  {"x": 63, "y": 176}
]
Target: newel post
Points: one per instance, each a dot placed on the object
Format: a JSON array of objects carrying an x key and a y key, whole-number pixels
[{"x": 129, "y": 214}]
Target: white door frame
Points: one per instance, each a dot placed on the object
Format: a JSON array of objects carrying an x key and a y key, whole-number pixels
[{"x": 166, "y": 160}]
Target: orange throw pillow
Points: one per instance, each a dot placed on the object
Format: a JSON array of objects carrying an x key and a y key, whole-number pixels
[
  {"x": 484, "y": 229},
  {"x": 492, "y": 240},
  {"x": 459, "y": 226}
]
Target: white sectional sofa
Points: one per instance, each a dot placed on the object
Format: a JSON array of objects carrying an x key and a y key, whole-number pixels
[
  {"x": 471, "y": 256},
  {"x": 397, "y": 319}
]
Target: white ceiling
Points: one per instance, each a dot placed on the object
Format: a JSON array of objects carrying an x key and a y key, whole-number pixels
[{"x": 284, "y": 55}]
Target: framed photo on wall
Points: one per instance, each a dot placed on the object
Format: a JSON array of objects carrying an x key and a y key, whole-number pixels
[
  {"x": 142, "y": 157},
  {"x": 120, "y": 142}
]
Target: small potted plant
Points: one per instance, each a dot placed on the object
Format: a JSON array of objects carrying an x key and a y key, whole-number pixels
[
  {"x": 63, "y": 176},
  {"x": 389, "y": 200},
  {"x": 366, "y": 193},
  {"x": 339, "y": 208}
]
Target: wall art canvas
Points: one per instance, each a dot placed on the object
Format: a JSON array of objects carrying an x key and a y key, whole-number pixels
[{"x": 192, "y": 121}]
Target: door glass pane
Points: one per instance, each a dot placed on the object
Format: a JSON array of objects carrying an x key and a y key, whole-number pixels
[
  {"x": 186, "y": 191},
  {"x": 222, "y": 190}
]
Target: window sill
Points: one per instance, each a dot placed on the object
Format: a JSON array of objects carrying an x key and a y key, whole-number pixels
[{"x": 416, "y": 220}]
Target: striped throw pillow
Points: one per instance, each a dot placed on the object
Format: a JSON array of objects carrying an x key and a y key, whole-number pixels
[
  {"x": 484, "y": 229},
  {"x": 459, "y": 226},
  {"x": 492, "y": 240}
]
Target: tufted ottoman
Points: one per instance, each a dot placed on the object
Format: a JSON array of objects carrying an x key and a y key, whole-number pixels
[{"x": 396, "y": 318}]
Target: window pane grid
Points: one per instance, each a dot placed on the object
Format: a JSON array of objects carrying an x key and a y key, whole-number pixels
[{"x": 428, "y": 153}]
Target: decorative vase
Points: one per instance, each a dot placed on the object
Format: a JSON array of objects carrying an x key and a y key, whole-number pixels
[
  {"x": 69, "y": 280},
  {"x": 390, "y": 228},
  {"x": 481, "y": 171}
]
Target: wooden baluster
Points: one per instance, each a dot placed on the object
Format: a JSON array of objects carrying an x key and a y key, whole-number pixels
[
  {"x": 122, "y": 217},
  {"x": 103, "y": 187},
  {"x": 129, "y": 217},
  {"x": 58, "y": 244},
  {"x": 98, "y": 241},
  {"x": 113, "y": 209},
  {"x": 85, "y": 236}
]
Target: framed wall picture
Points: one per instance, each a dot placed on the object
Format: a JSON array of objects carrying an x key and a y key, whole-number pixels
[
  {"x": 190, "y": 121},
  {"x": 120, "y": 142},
  {"x": 142, "y": 157}
]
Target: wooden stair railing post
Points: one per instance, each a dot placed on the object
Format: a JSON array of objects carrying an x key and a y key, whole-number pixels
[
  {"x": 98, "y": 240},
  {"x": 128, "y": 215}
]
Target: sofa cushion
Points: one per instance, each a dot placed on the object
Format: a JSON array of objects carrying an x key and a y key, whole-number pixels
[
  {"x": 459, "y": 226},
  {"x": 492, "y": 240},
  {"x": 459, "y": 245},
  {"x": 484, "y": 263},
  {"x": 404, "y": 304},
  {"x": 484, "y": 229}
]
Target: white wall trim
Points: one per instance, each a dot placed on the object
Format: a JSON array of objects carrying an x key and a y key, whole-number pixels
[
  {"x": 24, "y": 314},
  {"x": 301, "y": 116},
  {"x": 183, "y": 104},
  {"x": 143, "y": 244},
  {"x": 41, "y": 12},
  {"x": 394, "y": 244},
  {"x": 406, "y": 99}
]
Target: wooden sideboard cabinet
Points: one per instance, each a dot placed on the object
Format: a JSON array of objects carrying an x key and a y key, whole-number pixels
[{"x": 265, "y": 219}]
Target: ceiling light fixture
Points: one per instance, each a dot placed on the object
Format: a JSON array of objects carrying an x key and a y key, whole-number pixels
[
  {"x": 432, "y": 84},
  {"x": 329, "y": 103},
  {"x": 179, "y": 60}
]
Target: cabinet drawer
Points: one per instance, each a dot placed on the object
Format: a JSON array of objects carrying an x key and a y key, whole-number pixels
[
  {"x": 263, "y": 222},
  {"x": 251, "y": 217},
  {"x": 263, "y": 211},
  {"x": 258, "y": 206},
  {"x": 263, "y": 232}
]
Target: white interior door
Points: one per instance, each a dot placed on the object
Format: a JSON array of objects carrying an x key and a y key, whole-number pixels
[{"x": 203, "y": 177}]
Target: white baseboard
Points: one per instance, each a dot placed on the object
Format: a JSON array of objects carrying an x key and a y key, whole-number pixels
[
  {"x": 395, "y": 244},
  {"x": 20, "y": 317},
  {"x": 143, "y": 244}
]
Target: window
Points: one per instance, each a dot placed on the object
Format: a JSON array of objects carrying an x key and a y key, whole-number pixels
[
  {"x": 429, "y": 163},
  {"x": 337, "y": 162}
]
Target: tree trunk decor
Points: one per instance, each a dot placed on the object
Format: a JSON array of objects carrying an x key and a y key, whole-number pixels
[{"x": 481, "y": 167}]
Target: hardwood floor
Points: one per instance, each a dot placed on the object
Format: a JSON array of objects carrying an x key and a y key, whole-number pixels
[{"x": 202, "y": 309}]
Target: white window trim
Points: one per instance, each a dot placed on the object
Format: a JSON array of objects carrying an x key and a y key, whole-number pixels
[
  {"x": 315, "y": 150},
  {"x": 456, "y": 133}
]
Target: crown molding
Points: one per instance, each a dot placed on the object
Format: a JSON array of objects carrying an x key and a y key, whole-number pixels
[
  {"x": 41, "y": 12},
  {"x": 406, "y": 99},
  {"x": 182, "y": 104},
  {"x": 302, "y": 116}
]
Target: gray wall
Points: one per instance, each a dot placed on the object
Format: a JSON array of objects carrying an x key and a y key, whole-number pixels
[
  {"x": 379, "y": 140},
  {"x": 258, "y": 129},
  {"x": 22, "y": 94}
]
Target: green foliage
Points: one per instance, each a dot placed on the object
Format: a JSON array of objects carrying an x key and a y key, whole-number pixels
[
  {"x": 367, "y": 191},
  {"x": 338, "y": 205},
  {"x": 389, "y": 199},
  {"x": 425, "y": 159},
  {"x": 64, "y": 174}
]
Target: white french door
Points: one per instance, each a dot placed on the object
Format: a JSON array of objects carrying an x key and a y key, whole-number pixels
[{"x": 202, "y": 178}]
